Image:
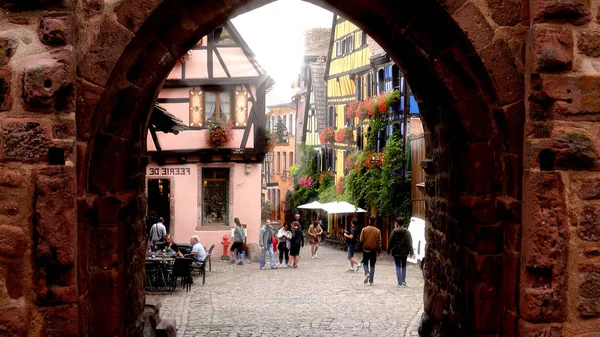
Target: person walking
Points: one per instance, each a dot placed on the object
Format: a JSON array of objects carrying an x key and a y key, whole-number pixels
[
  {"x": 350, "y": 236},
  {"x": 400, "y": 247},
  {"x": 285, "y": 241},
  {"x": 296, "y": 244},
  {"x": 315, "y": 231},
  {"x": 158, "y": 232},
  {"x": 238, "y": 242},
  {"x": 370, "y": 238},
  {"x": 265, "y": 241}
]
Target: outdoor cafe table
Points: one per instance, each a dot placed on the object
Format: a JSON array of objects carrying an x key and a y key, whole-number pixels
[{"x": 157, "y": 274}]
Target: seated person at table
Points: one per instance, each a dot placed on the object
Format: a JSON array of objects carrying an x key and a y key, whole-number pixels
[
  {"x": 171, "y": 247},
  {"x": 198, "y": 252}
]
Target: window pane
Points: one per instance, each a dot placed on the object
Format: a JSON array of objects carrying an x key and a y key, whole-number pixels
[
  {"x": 210, "y": 99},
  {"x": 215, "y": 196},
  {"x": 225, "y": 105}
]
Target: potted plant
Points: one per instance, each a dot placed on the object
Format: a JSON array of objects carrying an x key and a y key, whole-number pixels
[
  {"x": 218, "y": 133},
  {"x": 344, "y": 135},
  {"x": 327, "y": 135},
  {"x": 185, "y": 57}
]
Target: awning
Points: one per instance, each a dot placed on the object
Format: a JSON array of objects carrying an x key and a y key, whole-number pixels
[
  {"x": 337, "y": 207},
  {"x": 312, "y": 205},
  {"x": 166, "y": 122}
]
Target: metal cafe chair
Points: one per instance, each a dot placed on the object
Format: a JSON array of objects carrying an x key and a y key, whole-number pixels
[{"x": 181, "y": 270}]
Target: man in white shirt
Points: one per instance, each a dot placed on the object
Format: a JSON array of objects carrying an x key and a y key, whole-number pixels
[
  {"x": 158, "y": 231},
  {"x": 198, "y": 251}
]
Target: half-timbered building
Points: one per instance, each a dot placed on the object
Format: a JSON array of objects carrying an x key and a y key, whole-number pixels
[{"x": 199, "y": 189}]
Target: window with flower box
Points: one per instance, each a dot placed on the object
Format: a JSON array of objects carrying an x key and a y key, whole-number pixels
[{"x": 206, "y": 106}]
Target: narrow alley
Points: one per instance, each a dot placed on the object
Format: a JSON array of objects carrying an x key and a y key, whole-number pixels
[{"x": 320, "y": 298}]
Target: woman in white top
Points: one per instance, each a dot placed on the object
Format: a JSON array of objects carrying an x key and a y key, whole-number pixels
[{"x": 284, "y": 235}]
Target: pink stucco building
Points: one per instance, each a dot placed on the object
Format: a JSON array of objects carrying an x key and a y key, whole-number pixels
[{"x": 199, "y": 190}]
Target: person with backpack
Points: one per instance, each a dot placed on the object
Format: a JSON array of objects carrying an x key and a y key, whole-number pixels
[
  {"x": 297, "y": 242},
  {"x": 400, "y": 247},
  {"x": 158, "y": 232}
]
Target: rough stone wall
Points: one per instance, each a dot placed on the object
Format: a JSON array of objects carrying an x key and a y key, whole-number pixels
[
  {"x": 473, "y": 178},
  {"x": 39, "y": 294},
  {"x": 560, "y": 271}
]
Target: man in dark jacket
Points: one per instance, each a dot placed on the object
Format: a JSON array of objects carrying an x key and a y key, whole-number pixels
[{"x": 400, "y": 247}]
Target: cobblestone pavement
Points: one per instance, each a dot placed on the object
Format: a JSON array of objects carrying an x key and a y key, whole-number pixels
[{"x": 319, "y": 298}]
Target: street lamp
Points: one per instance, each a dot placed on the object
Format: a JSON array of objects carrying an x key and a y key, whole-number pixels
[{"x": 269, "y": 157}]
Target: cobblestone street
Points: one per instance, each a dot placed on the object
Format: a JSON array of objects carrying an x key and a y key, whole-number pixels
[{"x": 319, "y": 298}]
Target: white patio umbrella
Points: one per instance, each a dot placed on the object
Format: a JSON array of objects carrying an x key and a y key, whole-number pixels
[
  {"x": 312, "y": 205},
  {"x": 337, "y": 207}
]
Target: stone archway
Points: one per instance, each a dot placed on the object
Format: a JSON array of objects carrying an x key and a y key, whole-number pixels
[
  {"x": 463, "y": 103},
  {"x": 78, "y": 78}
]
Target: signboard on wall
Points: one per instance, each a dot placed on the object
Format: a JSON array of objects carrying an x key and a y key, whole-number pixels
[{"x": 169, "y": 171}]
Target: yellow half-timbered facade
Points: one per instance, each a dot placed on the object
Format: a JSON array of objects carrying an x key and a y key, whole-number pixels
[
  {"x": 348, "y": 63},
  {"x": 358, "y": 69}
]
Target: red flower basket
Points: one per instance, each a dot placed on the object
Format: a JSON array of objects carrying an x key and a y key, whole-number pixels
[
  {"x": 373, "y": 159},
  {"x": 327, "y": 135},
  {"x": 344, "y": 135},
  {"x": 351, "y": 110},
  {"x": 305, "y": 181},
  {"x": 219, "y": 133}
]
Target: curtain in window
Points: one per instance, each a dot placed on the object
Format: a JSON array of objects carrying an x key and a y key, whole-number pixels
[
  {"x": 225, "y": 105},
  {"x": 210, "y": 99}
]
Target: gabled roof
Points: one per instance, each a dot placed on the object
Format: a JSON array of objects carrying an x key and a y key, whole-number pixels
[
  {"x": 227, "y": 59},
  {"x": 235, "y": 35},
  {"x": 374, "y": 47},
  {"x": 316, "y": 41},
  {"x": 317, "y": 70}
]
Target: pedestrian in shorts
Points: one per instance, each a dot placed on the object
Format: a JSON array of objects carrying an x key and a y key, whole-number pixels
[
  {"x": 314, "y": 236},
  {"x": 350, "y": 236},
  {"x": 238, "y": 242}
]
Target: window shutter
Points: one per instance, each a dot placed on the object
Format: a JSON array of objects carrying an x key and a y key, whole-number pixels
[
  {"x": 332, "y": 160},
  {"x": 196, "y": 105}
]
